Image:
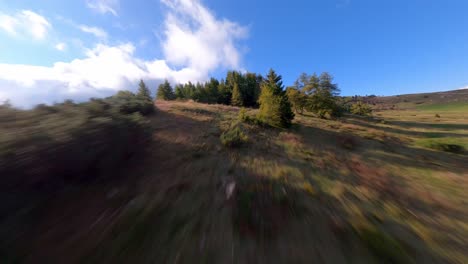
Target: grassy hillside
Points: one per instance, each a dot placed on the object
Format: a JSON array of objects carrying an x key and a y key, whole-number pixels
[
  {"x": 456, "y": 100},
  {"x": 352, "y": 190}
]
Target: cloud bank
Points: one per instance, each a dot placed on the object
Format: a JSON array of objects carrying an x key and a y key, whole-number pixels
[{"x": 195, "y": 43}]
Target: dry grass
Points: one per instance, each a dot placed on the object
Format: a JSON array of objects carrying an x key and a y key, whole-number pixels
[{"x": 300, "y": 195}]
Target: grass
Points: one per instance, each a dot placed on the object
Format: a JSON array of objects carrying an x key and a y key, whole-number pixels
[
  {"x": 453, "y": 145},
  {"x": 296, "y": 194},
  {"x": 447, "y": 107},
  {"x": 387, "y": 249}
]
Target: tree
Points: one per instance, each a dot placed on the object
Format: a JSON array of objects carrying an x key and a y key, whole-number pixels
[
  {"x": 144, "y": 99},
  {"x": 236, "y": 96},
  {"x": 307, "y": 83},
  {"x": 224, "y": 94},
  {"x": 179, "y": 92},
  {"x": 211, "y": 89},
  {"x": 165, "y": 91},
  {"x": 322, "y": 94},
  {"x": 297, "y": 99},
  {"x": 275, "y": 108},
  {"x": 143, "y": 91}
]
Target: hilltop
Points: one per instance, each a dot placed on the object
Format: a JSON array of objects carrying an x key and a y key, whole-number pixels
[{"x": 456, "y": 100}]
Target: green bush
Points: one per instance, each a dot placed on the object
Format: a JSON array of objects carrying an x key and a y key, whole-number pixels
[
  {"x": 246, "y": 118},
  {"x": 233, "y": 137},
  {"x": 361, "y": 109}
]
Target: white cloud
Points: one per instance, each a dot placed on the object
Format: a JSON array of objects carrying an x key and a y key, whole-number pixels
[
  {"x": 61, "y": 46},
  {"x": 194, "y": 37},
  {"x": 195, "y": 43},
  {"x": 104, "y": 6},
  {"x": 104, "y": 71},
  {"x": 98, "y": 32},
  {"x": 25, "y": 22}
]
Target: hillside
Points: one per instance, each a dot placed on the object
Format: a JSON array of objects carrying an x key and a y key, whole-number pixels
[
  {"x": 457, "y": 99},
  {"x": 350, "y": 190}
]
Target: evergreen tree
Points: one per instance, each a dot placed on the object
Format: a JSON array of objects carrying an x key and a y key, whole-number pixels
[
  {"x": 143, "y": 91},
  {"x": 165, "y": 91},
  {"x": 236, "y": 96},
  {"x": 275, "y": 108},
  {"x": 144, "y": 99},
  {"x": 211, "y": 88},
  {"x": 179, "y": 92},
  {"x": 224, "y": 94}
]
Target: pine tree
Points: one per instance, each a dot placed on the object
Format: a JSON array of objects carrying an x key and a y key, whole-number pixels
[
  {"x": 236, "y": 96},
  {"x": 165, "y": 91},
  {"x": 143, "y": 91},
  {"x": 275, "y": 108},
  {"x": 144, "y": 99},
  {"x": 179, "y": 92}
]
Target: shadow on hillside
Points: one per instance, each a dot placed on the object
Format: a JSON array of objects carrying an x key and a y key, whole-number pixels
[{"x": 89, "y": 221}]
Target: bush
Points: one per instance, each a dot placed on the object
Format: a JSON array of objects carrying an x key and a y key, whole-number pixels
[
  {"x": 70, "y": 141},
  {"x": 361, "y": 109},
  {"x": 245, "y": 118},
  {"x": 233, "y": 137}
]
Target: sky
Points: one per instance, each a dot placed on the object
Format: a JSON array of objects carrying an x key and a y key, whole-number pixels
[{"x": 51, "y": 50}]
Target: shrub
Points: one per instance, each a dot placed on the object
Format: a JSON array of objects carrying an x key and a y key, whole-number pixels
[
  {"x": 233, "y": 137},
  {"x": 361, "y": 109},
  {"x": 50, "y": 144},
  {"x": 246, "y": 118}
]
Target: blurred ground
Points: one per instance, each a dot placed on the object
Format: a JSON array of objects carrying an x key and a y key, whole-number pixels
[{"x": 353, "y": 190}]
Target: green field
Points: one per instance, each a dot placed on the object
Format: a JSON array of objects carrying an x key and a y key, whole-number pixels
[{"x": 446, "y": 107}]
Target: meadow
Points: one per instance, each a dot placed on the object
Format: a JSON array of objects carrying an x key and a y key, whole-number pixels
[{"x": 347, "y": 190}]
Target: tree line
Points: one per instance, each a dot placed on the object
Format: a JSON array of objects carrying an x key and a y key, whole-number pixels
[{"x": 314, "y": 93}]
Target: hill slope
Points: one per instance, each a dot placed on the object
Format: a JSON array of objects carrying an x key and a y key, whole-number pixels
[
  {"x": 354, "y": 190},
  {"x": 456, "y": 100}
]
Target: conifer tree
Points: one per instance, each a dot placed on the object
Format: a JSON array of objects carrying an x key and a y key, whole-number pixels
[
  {"x": 143, "y": 91},
  {"x": 275, "y": 108},
  {"x": 144, "y": 99},
  {"x": 165, "y": 91},
  {"x": 236, "y": 96}
]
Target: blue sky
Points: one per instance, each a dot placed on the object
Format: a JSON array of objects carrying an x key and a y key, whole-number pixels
[{"x": 52, "y": 50}]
